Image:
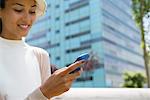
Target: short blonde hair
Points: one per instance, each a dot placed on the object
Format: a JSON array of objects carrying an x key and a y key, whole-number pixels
[{"x": 41, "y": 7}]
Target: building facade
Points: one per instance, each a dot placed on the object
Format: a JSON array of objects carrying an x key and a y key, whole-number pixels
[{"x": 103, "y": 28}]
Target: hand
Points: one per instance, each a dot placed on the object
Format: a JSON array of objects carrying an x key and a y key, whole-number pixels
[{"x": 60, "y": 81}]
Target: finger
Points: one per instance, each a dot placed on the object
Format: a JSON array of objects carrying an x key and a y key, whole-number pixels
[
  {"x": 59, "y": 70},
  {"x": 73, "y": 76},
  {"x": 72, "y": 67}
]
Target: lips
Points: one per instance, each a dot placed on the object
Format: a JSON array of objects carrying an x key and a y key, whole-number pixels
[{"x": 24, "y": 26}]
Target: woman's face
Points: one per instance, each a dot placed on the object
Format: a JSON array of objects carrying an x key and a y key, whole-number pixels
[{"x": 17, "y": 18}]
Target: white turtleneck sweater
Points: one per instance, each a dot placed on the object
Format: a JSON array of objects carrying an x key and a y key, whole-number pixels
[{"x": 22, "y": 70}]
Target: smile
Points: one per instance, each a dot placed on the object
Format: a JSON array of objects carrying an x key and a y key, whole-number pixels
[{"x": 23, "y": 26}]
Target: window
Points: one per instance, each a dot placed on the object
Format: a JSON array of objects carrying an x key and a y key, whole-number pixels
[
  {"x": 77, "y": 5},
  {"x": 79, "y": 48},
  {"x": 57, "y": 18},
  {"x": 77, "y": 34},
  {"x": 57, "y": 31},
  {"x": 49, "y": 5},
  {"x": 78, "y": 20},
  {"x": 58, "y": 58},
  {"x": 57, "y": 6}
]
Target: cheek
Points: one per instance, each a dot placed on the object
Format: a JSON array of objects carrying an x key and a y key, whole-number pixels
[
  {"x": 11, "y": 21},
  {"x": 11, "y": 18},
  {"x": 33, "y": 18},
  {"x": 8, "y": 22}
]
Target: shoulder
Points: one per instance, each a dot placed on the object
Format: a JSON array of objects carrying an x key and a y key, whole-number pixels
[
  {"x": 39, "y": 51},
  {"x": 44, "y": 62}
]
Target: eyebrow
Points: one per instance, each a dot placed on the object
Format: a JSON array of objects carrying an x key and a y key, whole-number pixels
[
  {"x": 18, "y": 4},
  {"x": 23, "y": 5}
]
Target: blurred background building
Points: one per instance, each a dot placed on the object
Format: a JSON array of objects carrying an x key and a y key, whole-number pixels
[{"x": 103, "y": 28}]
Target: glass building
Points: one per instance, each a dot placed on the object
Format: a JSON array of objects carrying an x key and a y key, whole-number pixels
[{"x": 103, "y": 28}]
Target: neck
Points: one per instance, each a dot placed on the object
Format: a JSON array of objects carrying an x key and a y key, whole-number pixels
[{"x": 10, "y": 37}]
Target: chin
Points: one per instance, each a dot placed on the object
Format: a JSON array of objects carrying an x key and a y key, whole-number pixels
[{"x": 23, "y": 34}]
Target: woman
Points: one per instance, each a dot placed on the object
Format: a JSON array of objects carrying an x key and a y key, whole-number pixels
[{"x": 24, "y": 70}]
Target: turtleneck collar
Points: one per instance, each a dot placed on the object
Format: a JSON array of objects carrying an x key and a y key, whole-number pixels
[{"x": 13, "y": 42}]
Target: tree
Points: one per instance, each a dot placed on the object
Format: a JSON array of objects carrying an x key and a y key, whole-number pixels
[
  {"x": 146, "y": 21},
  {"x": 93, "y": 62},
  {"x": 134, "y": 80},
  {"x": 140, "y": 9}
]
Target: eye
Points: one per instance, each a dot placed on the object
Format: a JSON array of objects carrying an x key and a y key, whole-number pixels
[
  {"x": 32, "y": 12},
  {"x": 18, "y": 10}
]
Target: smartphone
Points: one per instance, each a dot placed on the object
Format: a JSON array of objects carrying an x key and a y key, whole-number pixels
[{"x": 84, "y": 57}]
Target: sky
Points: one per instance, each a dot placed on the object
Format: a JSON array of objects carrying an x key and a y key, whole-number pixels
[{"x": 147, "y": 27}]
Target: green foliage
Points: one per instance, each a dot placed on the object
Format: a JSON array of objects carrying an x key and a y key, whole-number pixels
[
  {"x": 136, "y": 8},
  {"x": 134, "y": 80},
  {"x": 140, "y": 8}
]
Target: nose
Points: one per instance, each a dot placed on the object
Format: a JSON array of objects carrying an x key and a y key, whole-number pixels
[{"x": 27, "y": 18}]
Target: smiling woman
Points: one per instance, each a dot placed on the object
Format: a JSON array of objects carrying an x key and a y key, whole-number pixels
[
  {"x": 22, "y": 17},
  {"x": 24, "y": 69}
]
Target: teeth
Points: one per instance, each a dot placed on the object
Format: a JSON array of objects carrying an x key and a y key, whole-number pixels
[{"x": 24, "y": 26}]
